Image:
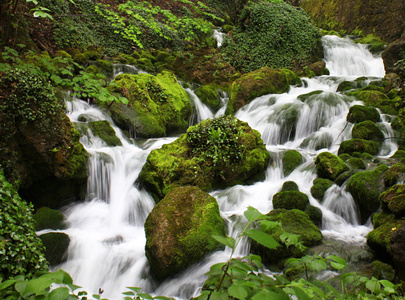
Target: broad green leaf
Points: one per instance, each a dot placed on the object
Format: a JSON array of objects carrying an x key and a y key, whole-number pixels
[
  {"x": 300, "y": 294},
  {"x": 59, "y": 294},
  {"x": 252, "y": 214},
  {"x": 6, "y": 284},
  {"x": 238, "y": 292},
  {"x": 337, "y": 262},
  {"x": 128, "y": 293},
  {"x": 145, "y": 296},
  {"x": 219, "y": 295},
  {"x": 386, "y": 283},
  {"x": 225, "y": 240},
  {"x": 373, "y": 285},
  {"x": 265, "y": 295},
  {"x": 317, "y": 265},
  {"x": 37, "y": 285},
  {"x": 262, "y": 238},
  {"x": 269, "y": 225}
]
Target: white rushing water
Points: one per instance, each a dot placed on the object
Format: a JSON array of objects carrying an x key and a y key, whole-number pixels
[{"x": 107, "y": 234}]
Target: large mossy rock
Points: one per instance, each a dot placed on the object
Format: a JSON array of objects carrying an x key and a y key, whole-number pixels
[
  {"x": 158, "y": 105},
  {"x": 255, "y": 84},
  {"x": 321, "y": 185},
  {"x": 179, "y": 230},
  {"x": 382, "y": 18},
  {"x": 291, "y": 160},
  {"x": 290, "y": 200},
  {"x": 366, "y": 187},
  {"x": 47, "y": 218},
  {"x": 276, "y": 35},
  {"x": 360, "y": 113},
  {"x": 394, "y": 174},
  {"x": 101, "y": 129},
  {"x": 292, "y": 221},
  {"x": 367, "y": 130},
  {"x": 213, "y": 154},
  {"x": 39, "y": 147},
  {"x": 392, "y": 54},
  {"x": 359, "y": 145},
  {"x": 209, "y": 95},
  {"x": 375, "y": 97},
  {"x": 56, "y": 245},
  {"x": 329, "y": 166},
  {"x": 393, "y": 200}
]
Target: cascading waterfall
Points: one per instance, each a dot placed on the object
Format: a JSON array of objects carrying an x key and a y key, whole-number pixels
[{"x": 107, "y": 247}]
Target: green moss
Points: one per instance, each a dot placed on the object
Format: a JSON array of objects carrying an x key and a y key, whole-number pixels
[
  {"x": 356, "y": 163},
  {"x": 376, "y": 99},
  {"x": 104, "y": 131},
  {"x": 291, "y": 160},
  {"x": 158, "y": 105},
  {"x": 344, "y": 157},
  {"x": 315, "y": 214},
  {"x": 290, "y": 200},
  {"x": 304, "y": 97},
  {"x": 365, "y": 188},
  {"x": 329, "y": 166},
  {"x": 383, "y": 271},
  {"x": 292, "y": 78},
  {"x": 393, "y": 200},
  {"x": 394, "y": 174},
  {"x": 293, "y": 221},
  {"x": 255, "y": 84},
  {"x": 46, "y": 218},
  {"x": 346, "y": 86},
  {"x": 319, "y": 188},
  {"x": 208, "y": 95},
  {"x": 357, "y": 145},
  {"x": 105, "y": 65},
  {"x": 289, "y": 186},
  {"x": 367, "y": 130},
  {"x": 360, "y": 113},
  {"x": 56, "y": 245},
  {"x": 179, "y": 230}
]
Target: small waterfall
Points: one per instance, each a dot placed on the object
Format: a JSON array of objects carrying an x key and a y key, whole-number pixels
[
  {"x": 107, "y": 248},
  {"x": 219, "y": 36},
  {"x": 202, "y": 111}
]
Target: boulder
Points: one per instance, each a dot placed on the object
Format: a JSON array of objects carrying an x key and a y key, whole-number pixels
[
  {"x": 329, "y": 166},
  {"x": 383, "y": 271},
  {"x": 292, "y": 221},
  {"x": 393, "y": 200},
  {"x": 255, "y": 84},
  {"x": 367, "y": 130},
  {"x": 291, "y": 160},
  {"x": 158, "y": 105},
  {"x": 209, "y": 95},
  {"x": 179, "y": 230},
  {"x": 101, "y": 129},
  {"x": 290, "y": 200},
  {"x": 321, "y": 185},
  {"x": 359, "y": 145},
  {"x": 47, "y": 218},
  {"x": 360, "y": 113},
  {"x": 215, "y": 153},
  {"x": 392, "y": 54},
  {"x": 397, "y": 245},
  {"x": 56, "y": 245},
  {"x": 394, "y": 174},
  {"x": 366, "y": 187},
  {"x": 289, "y": 186},
  {"x": 356, "y": 163}
]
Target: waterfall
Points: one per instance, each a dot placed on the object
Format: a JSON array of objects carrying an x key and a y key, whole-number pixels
[{"x": 106, "y": 231}]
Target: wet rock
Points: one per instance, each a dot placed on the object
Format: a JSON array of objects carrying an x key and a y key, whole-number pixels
[
  {"x": 356, "y": 163},
  {"x": 291, "y": 160},
  {"x": 289, "y": 186},
  {"x": 179, "y": 230},
  {"x": 56, "y": 245},
  {"x": 293, "y": 221},
  {"x": 358, "y": 145},
  {"x": 392, "y": 54},
  {"x": 101, "y": 129},
  {"x": 393, "y": 200},
  {"x": 395, "y": 174},
  {"x": 397, "y": 245},
  {"x": 321, "y": 185},
  {"x": 290, "y": 200},
  {"x": 208, "y": 95},
  {"x": 46, "y": 218},
  {"x": 360, "y": 113},
  {"x": 383, "y": 271},
  {"x": 367, "y": 130},
  {"x": 215, "y": 153},
  {"x": 366, "y": 187},
  {"x": 329, "y": 166}
]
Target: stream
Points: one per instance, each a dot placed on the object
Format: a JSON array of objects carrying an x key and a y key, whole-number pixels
[{"x": 107, "y": 233}]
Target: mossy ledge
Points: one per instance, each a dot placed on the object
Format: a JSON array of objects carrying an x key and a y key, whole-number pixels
[{"x": 213, "y": 154}]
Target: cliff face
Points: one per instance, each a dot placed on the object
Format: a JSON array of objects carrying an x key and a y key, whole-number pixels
[{"x": 385, "y": 19}]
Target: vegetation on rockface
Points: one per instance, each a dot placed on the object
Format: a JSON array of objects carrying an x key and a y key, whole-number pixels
[
  {"x": 215, "y": 153},
  {"x": 158, "y": 105},
  {"x": 101, "y": 129},
  {"x": 179, "y": 230},
  {"x": 20, "y": 248},
  {"x": 267, "y": 35}
]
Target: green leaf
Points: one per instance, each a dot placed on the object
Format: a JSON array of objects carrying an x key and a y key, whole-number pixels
[
  {"x": 317, "y": 265},
  {"x": 266, "y": 295},
  {"x": 225, "y": 240},
  {"x": 262, "y": 238},
  {"x": 6, "y": 284},
  {"x": 252, "y": 214},
  {"x": 373, "y": 285},
  {"x": 269, "y": 225},
  {"x": 337, "y": 262},
  {"x": 37, "y": 286},
  {"x": 386, "y": 283},
  {"x": 145, "y": 296},
  {"x": 219, "y": 295},
  {"x": 238, "y": 292},
  {"x": 59, "y": 294},
  {"x": 300, "y": 294}
]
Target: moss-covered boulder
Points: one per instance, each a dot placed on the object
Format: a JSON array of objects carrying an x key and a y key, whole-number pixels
[
  {"x": 291, "y": 160},
  {"x": 320, "y": 186},
  {"x": 56, "y": 245},
  {"x": 367, "y": 130},
  {"x": 394, "y": 174},
  {"x": 47, "y": 218},
  {"x": 179, "y": 230},
  {"x": 255, "y": 84},
  {"x": 101, "y": 129},
  {"x": 385, "y": 224},
  {"x": 329, "y": 166},
  {"x": 290, "y": 200},
  {"x": 209, "y": 95},
  {"x": 358, "y": 145},
  {"x": 393, "y": 200},
  {"x": 356, "y": 163},
  {"x": 292, "y": 221},
  {"x": 158, "y": 105},
  {"x": 375, "y": 98},
  {"x": 383, "y": 271},
  {"x": 215, "y": 153},
  {"x": 39, "y": 147},
  {"x": 289, "y": 186},
  {"x": 360, "y": 113},
  {"x": 366, "y": 187}
]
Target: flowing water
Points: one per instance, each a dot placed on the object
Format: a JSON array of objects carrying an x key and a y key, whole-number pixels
[{"x": 106, "y": 231}]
